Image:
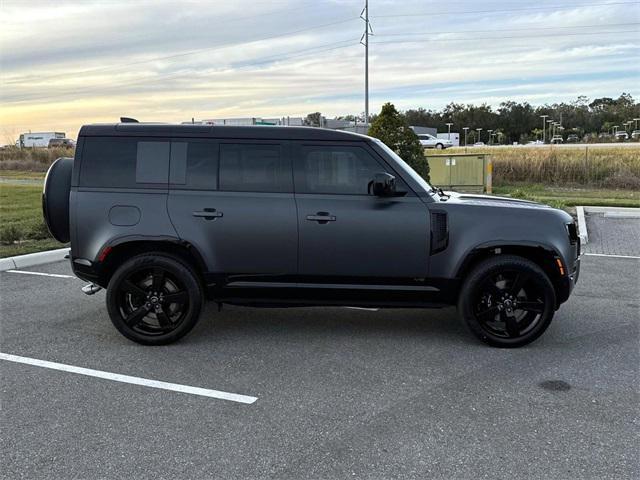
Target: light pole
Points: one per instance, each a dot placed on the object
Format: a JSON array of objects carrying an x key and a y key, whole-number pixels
[
  {"x": 466, "y": 129},
  {"x": 449, "y": 130},
  {"x": 544, "y": 127},
  {"x": 489, "y": 136},
  {"x": 479, "y": 130},
  {"x": 550, "y": 121},
  {"x": 636, "y": 120}
]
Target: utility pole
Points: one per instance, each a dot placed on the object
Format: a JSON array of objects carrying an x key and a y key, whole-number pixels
[
  {"x": 364, "y": 40},
  {"x": 544, "y": 128}
]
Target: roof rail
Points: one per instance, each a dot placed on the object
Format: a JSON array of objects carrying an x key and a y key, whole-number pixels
[{"x": 128, "y": 120}]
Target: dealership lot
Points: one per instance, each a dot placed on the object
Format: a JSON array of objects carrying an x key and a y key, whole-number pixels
[{"x": 340, "y": 392}]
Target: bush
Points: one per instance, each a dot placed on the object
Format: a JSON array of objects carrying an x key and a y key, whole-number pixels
[{"x": 392, "y": 129}]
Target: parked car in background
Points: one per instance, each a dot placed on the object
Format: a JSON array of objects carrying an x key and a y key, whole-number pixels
[
  {"x": 635, "y": 134},
  {"x": 61, "y": 143},
  {"x": 622, "y": 136},
  {"x": 479, "y": 144},
  {"x": 557, "y": 139},
  {"x": 534, "y": 143},
  {"x": 429, "y": 141},
  {"x": 573, "y": 138}
]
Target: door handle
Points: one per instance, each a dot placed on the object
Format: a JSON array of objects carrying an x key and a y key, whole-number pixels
[
  {"x": 208, "y": 214},
  {"x": 321, "y": 217}
]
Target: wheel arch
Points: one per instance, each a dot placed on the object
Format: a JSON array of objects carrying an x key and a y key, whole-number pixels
[
  {"x": 545, "y": 256},
  {"x": 114, "y": 253}
]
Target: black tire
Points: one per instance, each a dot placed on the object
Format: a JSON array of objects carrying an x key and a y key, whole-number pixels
[
  {"x": 439, "y": 146},
  {"x": 140, "y": 294},
  {"x": 507, "y": 301},
  {"x": 55, "y": 198}
]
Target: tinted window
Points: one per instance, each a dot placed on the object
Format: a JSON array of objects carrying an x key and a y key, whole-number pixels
[
  {"x": 152, "y": 162},
  {"x": 119, "y": 162},
  {"x": 254, "y": 168},
  {"x": 194, "y": 164},
  {"x": 335, "y": 169},
  {"x": 108, "y": 162}
]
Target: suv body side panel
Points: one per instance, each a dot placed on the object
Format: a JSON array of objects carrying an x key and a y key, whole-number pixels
[{"x": 477, "y": 226}]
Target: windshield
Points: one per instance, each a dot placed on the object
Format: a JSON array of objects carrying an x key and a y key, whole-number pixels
[{"x": 410, "y": 171}]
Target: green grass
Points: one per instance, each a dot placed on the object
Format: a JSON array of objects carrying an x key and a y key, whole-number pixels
[
  {"x": 22, "y": 229},
  {"x": 570, "y": 197},
  {"x": 21, "y": 175}
]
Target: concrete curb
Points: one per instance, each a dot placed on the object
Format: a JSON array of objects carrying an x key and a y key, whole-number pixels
[
  {"x": 32, "y": 259},
  {"x": 582, "y": 226}
]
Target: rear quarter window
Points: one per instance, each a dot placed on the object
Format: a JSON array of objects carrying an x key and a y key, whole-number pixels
[{"x": 123, "y": 162}]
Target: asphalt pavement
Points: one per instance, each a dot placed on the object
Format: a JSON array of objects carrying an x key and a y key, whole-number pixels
[{"x": 341, "y": 393}]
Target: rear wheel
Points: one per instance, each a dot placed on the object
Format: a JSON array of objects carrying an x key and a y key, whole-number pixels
[
  {"x": 154, "y": 299},
  {"x": 507, "y": 301},
  {"x": 439, "y": 146}
]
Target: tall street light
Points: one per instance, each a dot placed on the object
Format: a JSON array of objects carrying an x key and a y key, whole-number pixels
[
  {"x": 550, "y": 121},
  {"x": 489, "y": 136},
  {"x": 479, "y": 130},
  {"x": 466, "y": 129},
  {"x": 544, "y": 127},
  {"x": 449, "y": 130},
  {"x": 636, "y": 120}
]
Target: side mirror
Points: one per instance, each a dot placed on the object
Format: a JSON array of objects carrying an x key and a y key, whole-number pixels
[{"x": 383, "y": 185}]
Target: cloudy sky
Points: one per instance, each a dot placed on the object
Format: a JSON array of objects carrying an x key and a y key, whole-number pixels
[{"x": 65, "y": 63}]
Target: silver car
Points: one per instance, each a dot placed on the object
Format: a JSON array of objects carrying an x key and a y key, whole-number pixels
[{"x": 429, "y": 141}]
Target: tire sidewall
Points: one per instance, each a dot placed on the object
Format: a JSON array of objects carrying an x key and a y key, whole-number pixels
[
  {"x": 180, "y": 270},
  {"x": 491, "y": 267}
]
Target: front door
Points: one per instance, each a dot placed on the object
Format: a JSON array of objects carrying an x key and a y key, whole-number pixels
[
  {"x": 233, "y": 201},
  {"x": 346, "y": 234}
]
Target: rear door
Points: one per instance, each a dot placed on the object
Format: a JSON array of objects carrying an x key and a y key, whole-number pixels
[
  {"x": 233, "y": 201},
  {"x": 347, "y": 234}
]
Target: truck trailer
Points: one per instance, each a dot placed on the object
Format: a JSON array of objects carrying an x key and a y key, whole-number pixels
[{"x": 37, "y": 139}]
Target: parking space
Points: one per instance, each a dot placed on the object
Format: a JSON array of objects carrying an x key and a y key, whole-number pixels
[
  {"x": 340, "y": 392},
  {"x": 614, "y": 231}
]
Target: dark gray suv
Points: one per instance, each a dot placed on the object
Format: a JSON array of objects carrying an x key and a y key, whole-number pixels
[{"x": 164, "y": 216}]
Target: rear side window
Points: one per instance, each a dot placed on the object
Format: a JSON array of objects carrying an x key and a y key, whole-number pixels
[
  {"x": 329, "y": 169},
  {"x": 194, "y": 164},
  {"x": 121, "y": 162},
  {"x": 254, "y": 168}
]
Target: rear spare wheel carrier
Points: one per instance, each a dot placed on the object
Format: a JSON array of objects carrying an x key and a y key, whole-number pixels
[{"x": 55, "y": 198}]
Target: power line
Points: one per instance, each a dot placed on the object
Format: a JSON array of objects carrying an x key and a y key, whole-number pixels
[
  {"x": 548, "y": 7},
  {"x": 446, "y": 40},
  {"x": 504, "y": 29}
]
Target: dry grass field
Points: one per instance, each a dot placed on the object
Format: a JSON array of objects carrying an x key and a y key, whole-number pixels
[{"x": 609, "y": 167}]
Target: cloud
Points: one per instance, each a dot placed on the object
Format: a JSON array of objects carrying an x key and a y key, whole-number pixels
[{"x": 70, "y": 63}]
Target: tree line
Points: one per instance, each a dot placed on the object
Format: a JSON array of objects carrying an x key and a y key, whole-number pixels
[{"x": 521, "y": 121}]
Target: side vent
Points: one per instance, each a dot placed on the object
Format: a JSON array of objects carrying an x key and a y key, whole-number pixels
[{"x": 439, "y": 231}]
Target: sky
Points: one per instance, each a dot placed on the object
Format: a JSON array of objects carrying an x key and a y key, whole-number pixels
[{"x": 67, "y": 63}]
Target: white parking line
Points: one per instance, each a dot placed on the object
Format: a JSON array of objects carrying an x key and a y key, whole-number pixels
[
  {"x": 607, "y": 255},
  {"x": 56, "y": 275},
  {"x": 175, "y": 387}
]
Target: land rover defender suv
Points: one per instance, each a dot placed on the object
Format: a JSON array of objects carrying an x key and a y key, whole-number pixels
[{"x": 166, "y": 216}]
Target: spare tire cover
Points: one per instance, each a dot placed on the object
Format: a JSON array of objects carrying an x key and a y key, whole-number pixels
[{"x": 55, "y": 198}]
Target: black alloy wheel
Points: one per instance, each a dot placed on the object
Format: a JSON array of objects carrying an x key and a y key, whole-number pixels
[
  {"x": 154, "y": 299},
  {"x": 507, "y": 301}
]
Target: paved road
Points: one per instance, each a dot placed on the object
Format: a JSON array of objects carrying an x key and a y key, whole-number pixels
[
  {"x": 614, "y": 232},
  {"x": 341, "y": 393}
]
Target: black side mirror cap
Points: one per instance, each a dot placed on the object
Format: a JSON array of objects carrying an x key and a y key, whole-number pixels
[{"x": 383, "y": 185}]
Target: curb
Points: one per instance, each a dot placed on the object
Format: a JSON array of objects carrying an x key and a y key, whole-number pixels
[
  {"x": 582, "y": 226},
  {"x": 32, "y": 259}
]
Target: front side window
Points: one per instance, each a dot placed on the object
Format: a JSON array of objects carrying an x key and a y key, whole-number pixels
[
  {"x": 342, "y": 170},
  {"x": 248, "y": 167}
]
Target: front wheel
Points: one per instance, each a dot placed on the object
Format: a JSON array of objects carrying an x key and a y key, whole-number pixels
[
  {"x": 507, "y": 301},
  {"x": 154, "y": 299},
  {"x": 439, "y": 146}
]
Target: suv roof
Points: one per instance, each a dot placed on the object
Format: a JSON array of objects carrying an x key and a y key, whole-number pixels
[{"x": 215, "y": 131}]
